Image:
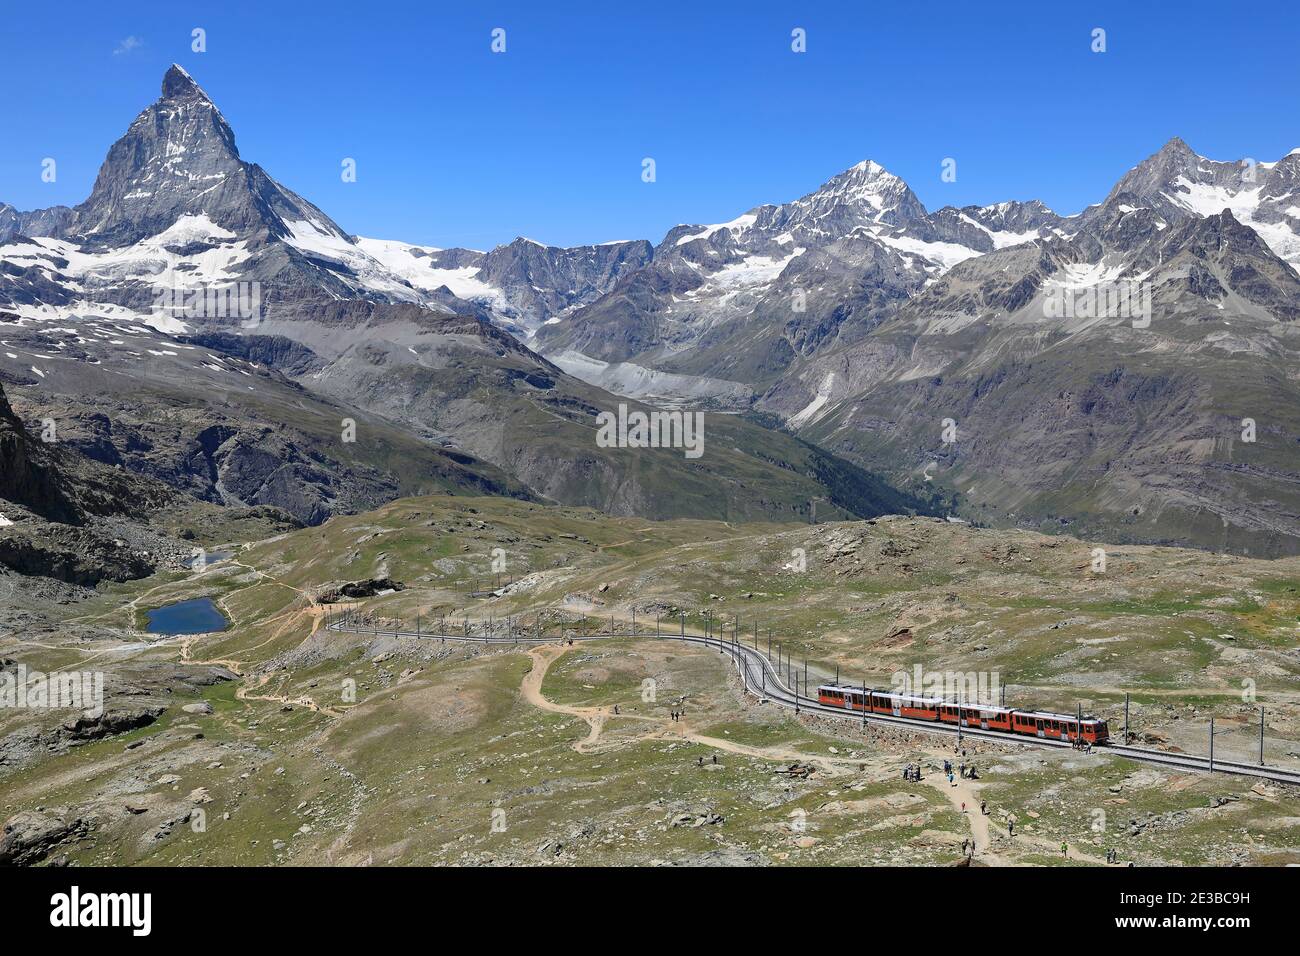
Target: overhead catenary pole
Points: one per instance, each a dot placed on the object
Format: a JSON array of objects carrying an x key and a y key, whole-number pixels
[
  {"x": 1126, "y": 736},
  {"x": 1211, "y": 745},
  {"x": 1261, "y": 736}
]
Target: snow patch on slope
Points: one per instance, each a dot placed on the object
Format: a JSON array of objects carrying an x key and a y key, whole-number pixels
[
  {"x": 739, "y": 224},
  {"x": 416, "y": 265},
  {"x": 1206, "y": 199}
]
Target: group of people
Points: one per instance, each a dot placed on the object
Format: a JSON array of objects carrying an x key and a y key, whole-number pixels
[
  {"x": 677, "y": 714},
  {"x": 913, "y": 772},
  {"x": 965, "y": 772}
]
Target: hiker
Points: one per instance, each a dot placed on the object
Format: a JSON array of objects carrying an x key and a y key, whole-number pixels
[
  {"x": 962, "y": 765},
  {"x": 984, "y": 808},
  {"x": 616, "y": 710},
  {"x": 951, "y": 781},
  {"x": 963, "y": 806},
  {"x": 1011, "y": 827},
  {"x": 1065, "y": 850},
  {"x": 700, "y": 762},
  {"x": 715, "y": 758}
]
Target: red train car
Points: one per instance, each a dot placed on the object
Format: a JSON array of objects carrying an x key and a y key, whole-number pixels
[
  {"x": 979, "y": 716},
  {"x": 880, "y": 701},
  {"x": 1059, "y": 726}
]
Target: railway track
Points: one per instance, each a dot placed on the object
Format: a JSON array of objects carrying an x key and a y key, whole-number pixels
[{"x": 762, "y": 678}]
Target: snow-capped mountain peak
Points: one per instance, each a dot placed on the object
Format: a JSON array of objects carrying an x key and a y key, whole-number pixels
[
  {"x": 868, "y": 187},
  {"x": 178, "y": 157},
  {"x": 1176, "y": 183}
]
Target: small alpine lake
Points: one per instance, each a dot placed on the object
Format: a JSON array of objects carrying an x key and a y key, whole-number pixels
[{"x": 199, "y": 616}]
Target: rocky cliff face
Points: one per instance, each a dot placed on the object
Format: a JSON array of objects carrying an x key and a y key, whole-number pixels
[
  {"x": 58, "y": 508},
  {"x": 26, "y": 477}
]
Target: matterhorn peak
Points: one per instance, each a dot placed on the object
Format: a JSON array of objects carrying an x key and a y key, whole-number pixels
[{"x": 178, "y": 84}]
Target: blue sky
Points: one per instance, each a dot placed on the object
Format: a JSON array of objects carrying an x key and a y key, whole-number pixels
[{"x": 456, "y": 145}]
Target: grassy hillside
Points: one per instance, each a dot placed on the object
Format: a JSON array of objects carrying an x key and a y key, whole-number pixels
[{"x": 351, "y": 749}]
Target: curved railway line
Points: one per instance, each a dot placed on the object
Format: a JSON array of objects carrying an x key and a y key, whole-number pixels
[{"x": 762, "y": 678}]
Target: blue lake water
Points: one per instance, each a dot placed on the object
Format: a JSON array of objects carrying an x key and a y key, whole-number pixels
[
  {"x": 188, "y": 617},
  {"x": 210, "y": 558}
]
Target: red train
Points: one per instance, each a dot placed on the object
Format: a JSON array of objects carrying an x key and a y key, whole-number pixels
[{"x": 982, "y": 717}]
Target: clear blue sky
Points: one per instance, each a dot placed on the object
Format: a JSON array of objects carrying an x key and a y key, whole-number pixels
[{"x": 458, "y": 146}]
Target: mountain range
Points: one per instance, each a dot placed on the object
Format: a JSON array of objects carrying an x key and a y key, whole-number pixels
[
  {"x": 848, "y": 346},
  {"x": 349, "y": 379}
]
